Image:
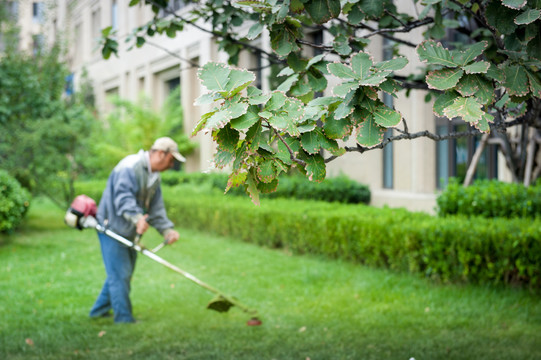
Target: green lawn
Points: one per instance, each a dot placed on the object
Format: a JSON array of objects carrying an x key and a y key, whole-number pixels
[{"x": 310, "y": 307}]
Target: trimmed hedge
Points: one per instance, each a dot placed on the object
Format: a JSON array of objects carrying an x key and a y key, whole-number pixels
[
  {"x": 339, "y": 189},
  {"x": 453, "y": 249},
  {"x": 490, "y": 198},
  {"x": 14, "y": 202}
]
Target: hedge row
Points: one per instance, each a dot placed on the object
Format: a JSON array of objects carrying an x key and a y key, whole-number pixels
[
  {"x": 475, "y": 250},
  {"x": 490, "y": 198},
  {"x": 14, "y": 202},
  {"x": 335, "y": 189}
]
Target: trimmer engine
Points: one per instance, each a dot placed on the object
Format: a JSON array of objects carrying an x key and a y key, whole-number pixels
[{"x": 82, "y": 208}]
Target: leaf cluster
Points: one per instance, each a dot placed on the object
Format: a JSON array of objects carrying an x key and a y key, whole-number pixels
[{"x": 481, "y": 64}]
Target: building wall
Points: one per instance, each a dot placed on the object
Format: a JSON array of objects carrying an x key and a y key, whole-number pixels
[{"x": 147, "y": 69}]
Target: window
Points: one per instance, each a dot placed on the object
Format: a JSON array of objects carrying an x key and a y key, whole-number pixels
[
  {"x": 37, "y": 12},
  {"x": 11, "y": 9},
  {"x": 454, "y": 156},
  {"x": 96, "y": 24},
  {"x": 114, "y": 15},
  {"x": 172, "y": 6},
  {"x": 37, "y": 43}
]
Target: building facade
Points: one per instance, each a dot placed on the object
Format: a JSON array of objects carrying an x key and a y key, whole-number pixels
[{"x": 403, "y": 174}]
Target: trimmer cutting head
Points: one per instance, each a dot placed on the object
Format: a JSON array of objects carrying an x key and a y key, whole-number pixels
[{"x": 219, "y": 304}]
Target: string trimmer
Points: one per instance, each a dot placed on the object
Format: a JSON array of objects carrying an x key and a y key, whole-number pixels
[{"x": 81, "y": 215}]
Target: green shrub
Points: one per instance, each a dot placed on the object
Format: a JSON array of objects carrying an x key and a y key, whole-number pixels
[
  {"x": 91, "y": 188},
  {"x": 336, "y": 189},
  {"x": 490, "y": 198},
  {"x": 14, "y": 202},
  {"x": 454, "y": 249}
]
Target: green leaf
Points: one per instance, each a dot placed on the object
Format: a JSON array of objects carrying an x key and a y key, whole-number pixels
[
  {"x": 283, "y": 42},
  {"x": 495, "y": 73},
  {"x": 444, "y": 100},
  {"x": 374, "y": 80},
  {"x": 284, "y": 123},
  {"x": 535, "y": 83},
  {"x": 238, "y": 80},
  {"x": 393, "y": 65},
  {"x": 372, "y": 8},
  {"x": 534, "y": 47},
  {"x": 266, "y": 171},
  {"x": 235, "y": 179},
  {"x": 337, "y": 129},
  {"x": 516, "y": 80},
  {"x": 343, "y": 110},
  {"x": 471, "y": 52},
  {"x": 283, "y": 153},
  {"x": 360, "y": 64},
  {"x": 214, "y": 76},
  {"x": 315, "y": 167},
  {"x": 259, "y": 99},
  {"x": 467, "y": 86},
  {"x": 206, "y": 99},
  {"x": 435, "y": 54},
  {"x": 444, "y": 79},
  {"x": 317, "y": 83},
  {"x": 390, "y": 86},
  {"x": 514, "y": 4},
  {"x": 254, "y": 136},
  {"x": 227, "y": 138},
  {"x": 277, "y": 100},
  {"x": 255, "y": 30},
  {"x": 251, "y": 188},
  {"x": 466, "y": 108},
  {"x": 355, "y": 15},
  {"x": 322, "y": 11},
  {"x": 340, "y": 70},
  {"x": 386, "y": 117},
  {"x": 500, "y": 17},
  {"x": 219, "y": 119},
  {"x": 286, "y": 85},
  {"x": 222, "y": 158},
  {"x": 202, "y": 122},
  {"x": 237, "y": 109},
  {"x": 344, "y": 88},
  {"x": 311, "y": 141},
  {"x": 484, "y": 124},
  {"x": 528, "y": 16},
  {"x": 370, "y": 133},
  {"x": 246, "y": 120},
  {"x": 314, "y": 61},
  {"x": 341, "y": 45},
  {"x": 485, "y": 94},
  {"x": 479, "y": 67}
]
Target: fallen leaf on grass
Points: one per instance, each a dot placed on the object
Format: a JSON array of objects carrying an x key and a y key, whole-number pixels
[
  {"x": 302, "y": 329},
  {"x": 29, "y": 342}
]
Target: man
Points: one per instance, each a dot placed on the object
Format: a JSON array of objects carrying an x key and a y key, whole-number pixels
[{"x": 132, "y": 200}]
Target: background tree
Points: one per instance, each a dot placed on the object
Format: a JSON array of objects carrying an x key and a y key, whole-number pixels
[
  {"x": 489, "y": 79},
  {"x": 134, "y": 126},
  {"x": 42, "y": 133}
]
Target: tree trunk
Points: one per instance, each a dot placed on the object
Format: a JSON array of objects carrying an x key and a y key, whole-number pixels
[{"x": 475, "y": 160}]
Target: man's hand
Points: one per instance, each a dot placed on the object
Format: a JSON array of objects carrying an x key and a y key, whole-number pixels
[
  {"x": 171, "y": 236},
  {"x": 142, "y": 226}
]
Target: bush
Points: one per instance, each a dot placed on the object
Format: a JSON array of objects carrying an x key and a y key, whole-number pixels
[
  {"x": 473, "y": 250},
  {"x": 14, "y": 202},
  {"x": 490, "y": 198},
  {"x": 336, "y": 189}
]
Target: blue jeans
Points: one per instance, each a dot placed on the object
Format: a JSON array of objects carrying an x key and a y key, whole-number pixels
[{"x": 119, "y": 262}]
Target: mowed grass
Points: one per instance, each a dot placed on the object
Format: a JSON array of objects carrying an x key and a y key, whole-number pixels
[{"x": 311, "y": 308}]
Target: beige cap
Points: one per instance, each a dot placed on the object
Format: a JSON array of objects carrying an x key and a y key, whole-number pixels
[{"x": 168, "y": 145}]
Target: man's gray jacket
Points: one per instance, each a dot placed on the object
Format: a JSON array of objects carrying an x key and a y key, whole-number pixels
[{"x": 132, "y": 191}]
